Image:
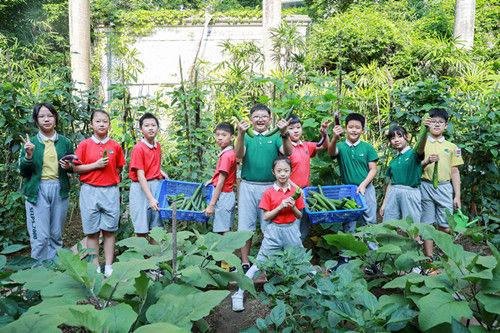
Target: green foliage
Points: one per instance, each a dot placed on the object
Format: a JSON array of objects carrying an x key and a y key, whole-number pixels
[
  {"x": 74, "y": 294},
  {"x": 365, "y": 35}
]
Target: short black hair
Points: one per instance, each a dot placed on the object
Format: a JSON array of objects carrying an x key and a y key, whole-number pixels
[
  {"x": 260, "y": 107},
  {"x": 440, "y": 113},
  {"x": 282, "y": 158},
  {"x": 99, "y": 111},
  {"x": 148, "y": 115},
  {"x": 396, "y": 129},
  {"x": 355, "y": 116},
  {"x": 50, "y": 107},
  {"x": 294, "y": 119},
  {"x": 226, "y": 127}
]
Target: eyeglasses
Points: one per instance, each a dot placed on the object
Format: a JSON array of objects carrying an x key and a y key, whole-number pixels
[
  {"x": 260, "y": 117},
  {"x": 438, "y": 122}
]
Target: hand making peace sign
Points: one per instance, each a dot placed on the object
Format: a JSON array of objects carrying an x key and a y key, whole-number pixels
[{"x": 29, "y": 147}]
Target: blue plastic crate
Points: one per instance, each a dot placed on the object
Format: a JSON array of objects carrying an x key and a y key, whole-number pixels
[
  {"x": 338, "y": 216},
  {"x": 174, "y": 187}
]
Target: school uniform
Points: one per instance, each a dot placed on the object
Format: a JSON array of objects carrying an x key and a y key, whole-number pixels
[
  {"x": 257, "y": 177},
  {"x": 404, "y": 198},
  {"x": 146, "y": 157},
  {"x": 224, "y": 207},
  {"x": 301, "y": 170},
  {"x": 354, "y": 159},
  {"x": 46, "y": 190},
  {"x": 284, "y": 229},
  {"x": 99, "y": 193},
  {"x": 436, "y": 202}
]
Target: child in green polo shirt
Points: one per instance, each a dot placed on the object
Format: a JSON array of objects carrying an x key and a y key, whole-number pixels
[
  {"x": 358, "y": 164},
  {"x": 402, "y": 198}
]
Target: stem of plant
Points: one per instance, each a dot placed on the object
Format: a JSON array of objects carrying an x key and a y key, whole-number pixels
[{"x": 174, "y": 241}]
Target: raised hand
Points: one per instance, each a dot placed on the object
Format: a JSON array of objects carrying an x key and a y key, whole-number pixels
[{"x": 29, "y": 147}]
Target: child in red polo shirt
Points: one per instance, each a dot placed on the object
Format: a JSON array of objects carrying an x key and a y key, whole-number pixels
[
  {"x": 301, "y": 156},
  {"x": 100, "y": 161},
  {"x": 145, "y": 173},
  {"x": 284, "y": 212},
  {"x": 223, "y": 200}
]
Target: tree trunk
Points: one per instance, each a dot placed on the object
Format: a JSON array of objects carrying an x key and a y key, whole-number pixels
[
  {"x": 79, "y": 36},
  {"x": 465, "y": 11},
  {"x": 271, "y": 18}
]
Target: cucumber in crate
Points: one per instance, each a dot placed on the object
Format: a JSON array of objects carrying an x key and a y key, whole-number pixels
[
  {"x": 330, "y": 204},
  {"x": 190, "y": 198}
]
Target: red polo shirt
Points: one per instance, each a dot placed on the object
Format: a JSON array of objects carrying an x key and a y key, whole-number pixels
[
  {"x": 90, "y": 150},
  {"x": 301, "y": 162},
  {"x": 145, "y": 157},
  {"x": 273, "y": 197},
  {"x": 226, "y": 163}
]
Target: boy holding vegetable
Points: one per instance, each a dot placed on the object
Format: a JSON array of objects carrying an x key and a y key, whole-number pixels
[
  {"x": 223, "y": 200},
  {"x": 441, "y": 162},
  {"x": 358, "y": 164},
  {"x": 301, "y": 156},
  {"x": 145, "y": 173},
  {"x": 257, "y": 147}
]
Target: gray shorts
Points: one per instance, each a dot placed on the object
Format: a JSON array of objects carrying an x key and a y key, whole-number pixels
[
  {"x": 435, "y": 203},
  {"x": 224, "y": 212},
  {"x": 143, "y": 217},
  {"x": 279, "y": 236},
  {"x": 99, "y": 208},
  {"x": 369, "y": 215},
  {"x": 248, "y": 205},
  {"x": 402, "y": 202}
]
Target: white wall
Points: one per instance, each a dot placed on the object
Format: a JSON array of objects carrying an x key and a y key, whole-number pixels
[{"x": 160, "y": 51}]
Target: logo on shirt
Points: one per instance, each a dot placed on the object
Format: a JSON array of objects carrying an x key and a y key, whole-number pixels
[
  {"x": 111, "y": 151},
  {"x": 447, "y": 151},
  {"x": 458, "y": 152}
]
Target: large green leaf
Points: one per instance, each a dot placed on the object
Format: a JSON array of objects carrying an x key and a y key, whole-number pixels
[
  {"x": 197, "y": 276},
  {"x": 129, "y": 270},
  {"x": 228, "y": 257},
  {"x": 161, "y": 327},
  {"x": 346, "y": 242},
  {"x": 223, "y": 278},
  {"x": 34, "y": 323},
  {"x": 37, "y": 278},
  {"x": 491, "y": 302},
  {"x": 408, "y": 260},
  {"x": 141, "y": 245},
  {"x": 278, "y": 313},
  {"x": 388, "y": 249},
  {"x": 401, "y": 281},
  {"x": 400, "y": 318},
  {"x": 12, "y": 248},
  {"x": 440, "y": 307},
  {"x": 228, "y": 242},
  {"x": 119, "y": 318},
  {"x": 85, "y": 316},
  {"x": 3, "y": 261},
  {"x": 184, "y": 309}
]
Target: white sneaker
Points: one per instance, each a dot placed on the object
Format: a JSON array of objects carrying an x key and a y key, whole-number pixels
[
  {"x": 417, "y": 270},
  {"x": 237, "y": 300},
  {"x": 98, "y": 269},
  {"x": 108, "y": 270}
]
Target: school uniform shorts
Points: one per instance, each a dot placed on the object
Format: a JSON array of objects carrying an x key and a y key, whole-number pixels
[
  {"x": 402, "y": 202},
  {"x": 435, "y": 203},
  {"x": 143, "y": 217},
  {"x": 45, "y": 220},
  {"x": 249, "y": 212},
  {"x": 279, "y": 236},
  {"x": 224, "y": 212},
  {"x": 99, "y": 208}
]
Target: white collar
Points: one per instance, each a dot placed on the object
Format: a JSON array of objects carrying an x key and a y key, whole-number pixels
[
  {"x": 102, "y": 142},
  {"x": 277, "y": 188},
  {"x": 44, "y": 138},
  {"x": 352, "y": 144},
  {"x": 298, "y": 143},
  {"x": 257, "y": 133},
  {"x": 440, "y": 140},
  {"x": 405, "y": 149},
  {"x": 225, "y": 149},
  {"x": 150, "y": 146}
]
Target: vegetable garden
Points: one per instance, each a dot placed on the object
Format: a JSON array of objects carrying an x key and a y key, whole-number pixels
[{"x": 391, "y": 61}]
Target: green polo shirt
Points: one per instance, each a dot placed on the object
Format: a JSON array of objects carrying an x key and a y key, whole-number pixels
[
  {"x": 406, "y": 169},
  {"x": 260, "y": 153},
  {"x": 353, "y": 161}
]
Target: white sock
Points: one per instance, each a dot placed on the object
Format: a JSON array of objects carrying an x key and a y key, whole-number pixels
[
  {"x": 252, "y": 271},
  {"x": 108, "y": 268}
]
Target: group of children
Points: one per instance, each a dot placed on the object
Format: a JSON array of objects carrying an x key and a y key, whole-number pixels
[{"x": 273, "y": 165}]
